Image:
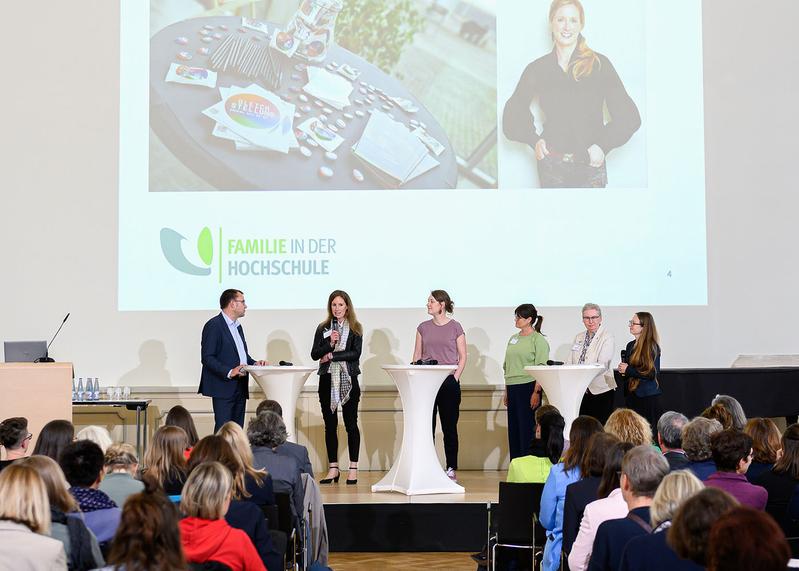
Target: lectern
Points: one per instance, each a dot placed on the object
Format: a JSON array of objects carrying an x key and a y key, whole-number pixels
[
  {"x": 416, "y": 470},
  {"x": 565, "y": 386},
  {"x": 282, "y": 384}
]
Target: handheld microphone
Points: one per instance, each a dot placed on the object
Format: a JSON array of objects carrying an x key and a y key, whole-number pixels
[
  {"x": 334, "y": 324},
  {"x": 624, "y": 355},
  {"x": 285, "y": 364},
  {"x": 551, "y": 363},
  {"x": 46, "y": 358}
]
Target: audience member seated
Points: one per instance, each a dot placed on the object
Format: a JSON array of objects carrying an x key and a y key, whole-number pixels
[
  {"x": 721, "y": 413},
  {"x": 204, "y": 533},
  {"x": 642, "y": 470},
  {"x": 267, "y": 433},
  {"x": 584, "y": 491},
  {"x": 545, "y": 450},
  {"x": 243, "y": 515},
  {"x": 292, "y": 449},
  {"x": 96, "y": 434},
  {"x": 80, "y": 544},
  {"x": 690, "y": 527},
  {"x": 180, "y": 417},
  {"x": 782, "y": 483},
  {"x": 651, "y": 552},
  {"x": 732, "y": 453},
  {"x": 766, "y": 445},
  {"x": 25, "y": 522},
  {"x": 55, "y": 435},
  {"x": 148, "y": 536},
  {"x": 609, "y": 505},
  {"x": 744, "y": 539},
  {"x": 669, "y": 428},
  {"x": 629, "y": 426},
  {"x": 15, "y": 438},
  {"x": 735, "y": 409},
  {"x": 257, "y": 483},
  {"x": 696, "y": 443},
  {"x": 165, "y": 461},
  {"x": 554, "y": 494},
  {"x": 121, "y": 467},
  {"x": 82, "y": 463}
]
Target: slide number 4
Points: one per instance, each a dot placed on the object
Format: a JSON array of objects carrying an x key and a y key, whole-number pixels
[{"x": 668, "y": 274}]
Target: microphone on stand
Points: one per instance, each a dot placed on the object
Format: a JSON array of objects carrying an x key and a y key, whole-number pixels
[
  {"x": 555, "y": 363},
  {"x": 45, "y": 358}
]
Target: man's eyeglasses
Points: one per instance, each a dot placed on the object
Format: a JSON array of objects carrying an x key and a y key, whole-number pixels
[{"x": 592, "y": 317}]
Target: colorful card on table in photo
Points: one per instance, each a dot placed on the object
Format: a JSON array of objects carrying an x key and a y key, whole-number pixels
[
  {"x": 189, "y": 75},
  {"x": 326, "y": 138},
  {"x": 256, "y": 25},
  {"x": 284, "y": 42}
]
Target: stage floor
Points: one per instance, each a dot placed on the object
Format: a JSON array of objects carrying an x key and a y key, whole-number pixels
[{"x": 481, "y": 487}]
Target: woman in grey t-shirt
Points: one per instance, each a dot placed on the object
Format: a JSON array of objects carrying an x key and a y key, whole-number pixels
[{"x": 442, "y": 338}]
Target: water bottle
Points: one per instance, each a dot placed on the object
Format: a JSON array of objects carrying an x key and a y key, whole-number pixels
[
  {"x": 80, "y": 389},
  {"x": 73, "y": 389},
  {"x": 96, "y": 389}
]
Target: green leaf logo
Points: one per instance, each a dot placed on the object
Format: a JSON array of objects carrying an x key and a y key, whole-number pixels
[{"x": 205, "y": 246}]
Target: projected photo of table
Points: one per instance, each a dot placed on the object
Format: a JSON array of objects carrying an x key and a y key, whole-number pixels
[{"x": 182, "y": 53}]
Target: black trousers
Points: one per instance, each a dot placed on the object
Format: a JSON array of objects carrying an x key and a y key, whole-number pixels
[
  {"x": 448, "y": 407},
  {"x": 227, "y": 409},
  {"x": 599, "y": 406},
  {"x": 648, "y": 407},
  {"x": 349, "y": 410}
]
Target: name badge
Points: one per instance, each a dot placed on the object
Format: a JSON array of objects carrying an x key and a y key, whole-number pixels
[
  {"x": 577, "y": 347},
  {"x": 327, "y": 333},
  {"x": 513, "y": 341}
]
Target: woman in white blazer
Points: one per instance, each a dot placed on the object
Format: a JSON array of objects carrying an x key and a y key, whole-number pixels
[
  {"x": 595, "y": 345},
  {"x": 25, "y": 523}
]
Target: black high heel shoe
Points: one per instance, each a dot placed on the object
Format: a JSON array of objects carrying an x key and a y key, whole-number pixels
[
  {"x": 333, "y": 479},
  {"x": 352, "y": 482}
]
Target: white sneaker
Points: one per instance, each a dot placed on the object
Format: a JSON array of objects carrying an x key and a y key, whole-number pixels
[{"x": 451, "y": 474}]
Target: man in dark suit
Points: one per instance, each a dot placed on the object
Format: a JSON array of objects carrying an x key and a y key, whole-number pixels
[
  {"x": 642, "y": 470},
  {"x": 669, "y": 428},
  {"x": 288, "y": 448},
  {"x": 224, "y": 353}
]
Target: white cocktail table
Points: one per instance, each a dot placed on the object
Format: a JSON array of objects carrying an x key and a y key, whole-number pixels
[
  {"x": 417, "y": 470},
  {"x": 282, "y": 384},
  {"x": 565, "y": 386}
]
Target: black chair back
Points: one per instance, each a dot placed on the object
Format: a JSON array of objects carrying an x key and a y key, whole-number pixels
[
  {"x": 272, "y": 515},
  {"x": 284, "y": 517},
  {"x": 517, "y": 513}
]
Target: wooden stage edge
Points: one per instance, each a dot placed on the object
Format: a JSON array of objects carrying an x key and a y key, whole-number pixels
[{"x": 481, "y": 487}]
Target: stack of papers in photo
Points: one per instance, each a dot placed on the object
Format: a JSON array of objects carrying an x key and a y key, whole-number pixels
[
  {"x": 391, "y": 151},
  {"x": 328, "y": 87},
  {"x": 254, "y": 119}
]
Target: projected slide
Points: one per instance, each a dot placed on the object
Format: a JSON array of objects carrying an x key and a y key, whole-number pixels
[{"x": 507, "y": 151}]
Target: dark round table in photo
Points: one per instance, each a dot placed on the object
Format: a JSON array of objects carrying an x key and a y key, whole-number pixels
[{"x": 176, "y": 117}]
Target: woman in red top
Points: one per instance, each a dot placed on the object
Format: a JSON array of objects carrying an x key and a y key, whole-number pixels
[{"x": 205, "y": 534}]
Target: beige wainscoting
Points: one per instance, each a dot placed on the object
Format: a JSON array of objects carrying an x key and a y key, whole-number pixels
[{"x": 482, "y": 426}]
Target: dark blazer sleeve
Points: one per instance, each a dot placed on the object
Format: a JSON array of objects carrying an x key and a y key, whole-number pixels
[
  {"x": 625, "y": 119},
  {"x": 571, "y": 524},
  {"x": 321, "y": 345},
  {"x": 305, "y": 464},
  {"x": 210, "y": 348},
  {"x": 352, "y": 351}
]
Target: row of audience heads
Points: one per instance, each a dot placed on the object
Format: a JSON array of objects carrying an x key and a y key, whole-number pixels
[{"x": 148, "y": 531}]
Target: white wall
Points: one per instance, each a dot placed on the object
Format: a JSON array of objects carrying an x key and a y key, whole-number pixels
[{"x": 58, "y": 215}]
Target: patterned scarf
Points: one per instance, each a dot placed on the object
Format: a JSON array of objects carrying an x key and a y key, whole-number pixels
[
  {"x": 90, "y": 500},
  {"x": 340, "y": 381},
  {"x": 586, "y": 342}
]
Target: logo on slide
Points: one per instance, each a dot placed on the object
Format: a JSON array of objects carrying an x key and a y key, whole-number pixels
[{"x": 171, "y": 246}]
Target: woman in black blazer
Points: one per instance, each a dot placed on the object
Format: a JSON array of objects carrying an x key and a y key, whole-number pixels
[{"x": 337, "y": 346}]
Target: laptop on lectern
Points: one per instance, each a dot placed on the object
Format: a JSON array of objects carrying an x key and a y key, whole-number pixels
[{"x": 24, "y": 351}]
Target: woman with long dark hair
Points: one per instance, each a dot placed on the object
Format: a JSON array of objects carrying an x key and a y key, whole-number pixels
[
  {"x": 522, "y": 394},
  {"x": 642, "y": 388},
  {"x": 574, "y": 85},
  {"x": 337, "y": 346},
  {"x": 782, "y": 482},
  {"x": 54, "y": 437},
  {"x": 545, "y": 450},
  {"x": 442, "y": 339},
  {"x": 165, "y": 462}
]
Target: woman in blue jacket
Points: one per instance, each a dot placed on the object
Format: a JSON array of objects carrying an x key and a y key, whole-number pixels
[{"x": 640, "y": 368}]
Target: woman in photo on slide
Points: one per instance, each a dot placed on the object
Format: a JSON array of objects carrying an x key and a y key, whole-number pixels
[
  {"x": 442, "y": 338},
  {"x": 522, "y": 393},
  {"x": 337, "y": 346},
  {"x": 573, "y": 85},
  {"x": 642, "y": 388}
]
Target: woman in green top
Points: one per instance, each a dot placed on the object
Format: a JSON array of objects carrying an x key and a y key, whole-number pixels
[
  {"x": 545, "y": 449},
  {"x": 522, "y": 393}
]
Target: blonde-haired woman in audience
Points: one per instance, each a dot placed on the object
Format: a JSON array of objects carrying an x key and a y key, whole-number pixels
[
  {"x": 205, "y": 534},
  {"x": 257, "y": 483},
  {"x": 80, "y": 544},
  {"x": 629, "y": 426},
  {"x": 121, "y": 467},
  {"x": 25, "y": 522},
  {"x": 165, "y": 462},
  {"x": 96, "y": 434},
  {"x": 766, "y": 446},
  {"x": 651, "y": 552}
]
